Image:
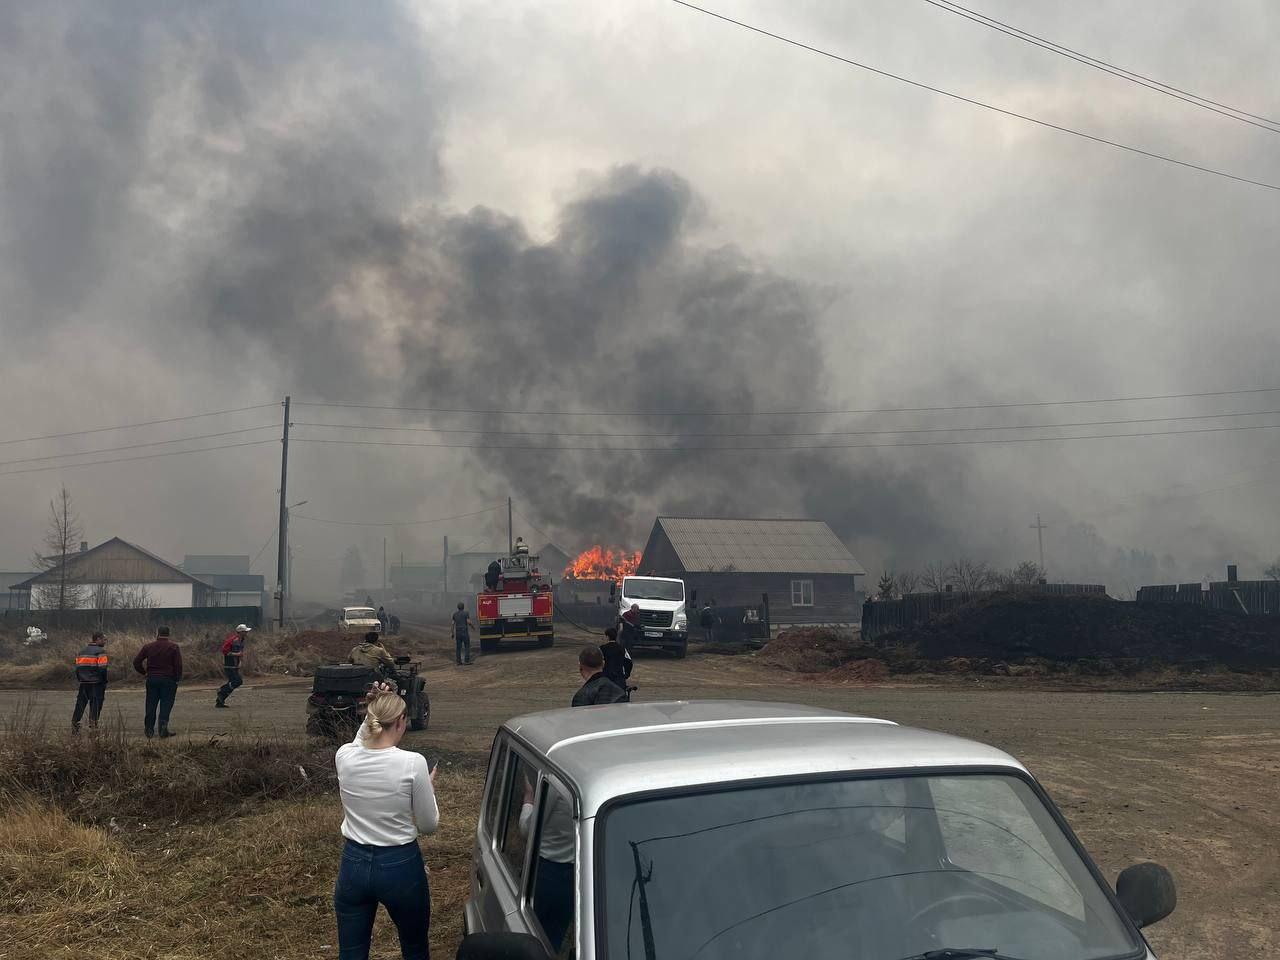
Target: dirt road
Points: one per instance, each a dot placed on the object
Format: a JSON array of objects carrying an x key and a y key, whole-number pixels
[{"x": 1185, "y": 779}]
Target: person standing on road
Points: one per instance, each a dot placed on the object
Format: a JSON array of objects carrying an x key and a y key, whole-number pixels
[
  {"x": 617, "y": 659},
  {"x": 596, "y": 687},
  {"x": 91, "y": 672},
  {"x": 232, "y": 657},
  {"x": 462, "y": 625},
  {"x": 388, "y": 799},
  {"x": 160, "y": 661},
  {"x": 382, "y": 619}
]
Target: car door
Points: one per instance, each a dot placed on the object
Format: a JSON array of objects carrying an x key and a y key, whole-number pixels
[{"x": 504, "y": 846}]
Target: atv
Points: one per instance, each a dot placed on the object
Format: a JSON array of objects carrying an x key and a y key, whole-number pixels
[{"x": 340, "y": 694}]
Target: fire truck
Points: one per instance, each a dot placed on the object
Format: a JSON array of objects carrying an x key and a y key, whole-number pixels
[{"x": 519, "y": 608}]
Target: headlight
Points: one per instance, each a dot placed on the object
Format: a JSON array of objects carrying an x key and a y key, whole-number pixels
[{"x": 682, "y": 622}]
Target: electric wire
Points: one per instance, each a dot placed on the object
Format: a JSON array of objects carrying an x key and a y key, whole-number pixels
[
  {"x": 131, "y": 426},
  {"x": 1149, "y": 154},
  {"x": 777, "y": 448},
  {"x": 789, "y": 433},
  {"x": 1168, "y": 89},
  {"x": 137, "y": 446},
  {"x": 145, "y": 456},
  {"x": 789, "y": 413},
  {"x": 396, "y": 523}
]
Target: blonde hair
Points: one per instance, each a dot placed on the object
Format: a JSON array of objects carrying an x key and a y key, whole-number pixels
[{"x": 383, "y": 711}]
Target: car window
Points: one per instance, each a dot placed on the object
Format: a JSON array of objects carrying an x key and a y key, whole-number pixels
[
  {"x": 987, "y": 829},
  {"x": 496, "y": 784},
  {"x": 519, "y": 788},
  {"x": 553, "y": 879}
]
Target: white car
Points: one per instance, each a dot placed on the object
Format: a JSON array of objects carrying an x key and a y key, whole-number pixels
[
  {"x": 359, "y": 620},
  {"x": 724, "y": 830}
]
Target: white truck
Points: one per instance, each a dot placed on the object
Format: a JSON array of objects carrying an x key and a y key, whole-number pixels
[{"x": 664, "y": 618}]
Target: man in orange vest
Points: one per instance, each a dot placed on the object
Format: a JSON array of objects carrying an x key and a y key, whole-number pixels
[{"x": 91, "y": 671}]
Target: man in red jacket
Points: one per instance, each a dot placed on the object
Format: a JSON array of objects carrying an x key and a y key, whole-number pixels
[
  {"x": 232, "y": 655},
  {"x": 161, "y": 662}
]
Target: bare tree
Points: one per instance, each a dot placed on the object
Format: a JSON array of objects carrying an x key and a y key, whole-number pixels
[
  {"x": 134, "y": 596},
  {"x": 61, "y": 541},
  {"x": 1025, "y": 574},
  {"x": 907, "y": 581},
  {"x": 935, "y": 576},
  {"x": 972, "y": 576}
]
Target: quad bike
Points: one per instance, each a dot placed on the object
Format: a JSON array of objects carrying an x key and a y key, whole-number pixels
[{"x": 340, "y": 694}]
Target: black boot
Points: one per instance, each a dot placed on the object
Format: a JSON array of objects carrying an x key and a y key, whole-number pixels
[{"x": 164, "y": 732}]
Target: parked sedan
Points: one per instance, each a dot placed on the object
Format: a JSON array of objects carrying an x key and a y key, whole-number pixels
[{"x": 724, "y": 830}]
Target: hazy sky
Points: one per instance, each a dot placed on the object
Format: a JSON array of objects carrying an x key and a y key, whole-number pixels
[{"x": 632, "y": 207}]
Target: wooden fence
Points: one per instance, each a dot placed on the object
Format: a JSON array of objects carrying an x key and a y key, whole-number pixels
[
  {"x": 1254, "y": 597},
  {"x": 886, "y": 616}
]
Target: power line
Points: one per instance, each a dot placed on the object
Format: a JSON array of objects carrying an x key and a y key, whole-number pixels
[
  {"x": 145, "y": 456},
  {"x": 787, "y": 413},
  {"x": 1195, "y": 99},
  {"x": 776, "y": 448},
  {"x": 396, "y": 523},
  {"x": 137, "y": 446},
  {"x": 271, "y": 536},
  {"x": 788, "y": 433},
  {"x": 535, "y": 529},
  {"x": 1151, "y": 155},
  {"x": 131, "y": 426}
]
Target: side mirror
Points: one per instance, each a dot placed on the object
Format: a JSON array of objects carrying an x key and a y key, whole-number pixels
[
  {"x": 1146, "y": 892},
  {"x": 613, "y": 590},
  {"x": 501, "y": 946}
]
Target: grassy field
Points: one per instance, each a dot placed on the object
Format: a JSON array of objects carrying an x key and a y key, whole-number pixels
[{"x": 113, "y": 847}]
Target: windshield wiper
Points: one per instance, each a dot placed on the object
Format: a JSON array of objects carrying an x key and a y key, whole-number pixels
[{"x": 961, "y": 953}]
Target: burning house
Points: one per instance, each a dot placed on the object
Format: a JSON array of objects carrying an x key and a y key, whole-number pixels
[
  {"x": 808, "y": 574},
  {"x": 591, "y": 576}
]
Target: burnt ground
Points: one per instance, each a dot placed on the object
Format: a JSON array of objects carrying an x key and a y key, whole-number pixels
[{"x": 1184, "y": 778}]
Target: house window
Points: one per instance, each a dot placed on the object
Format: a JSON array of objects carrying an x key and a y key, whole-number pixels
[{"x": 802, "y": 593}]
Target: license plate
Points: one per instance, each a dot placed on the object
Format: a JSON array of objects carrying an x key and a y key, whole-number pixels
[{"x": 653, "y": 633}]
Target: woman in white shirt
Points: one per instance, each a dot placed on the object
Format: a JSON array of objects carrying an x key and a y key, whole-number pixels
[{"x": 388, "y": 800}]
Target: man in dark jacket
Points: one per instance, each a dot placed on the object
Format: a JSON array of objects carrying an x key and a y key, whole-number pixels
[
  {"x": 492, "y": 575},
  {"x": 161, "y": 662},
  {"x": 596, "y": 688},
  {"x": 617, "y": 659},
  {"x": 232, "y": 657},
  {"x": 91, "y": 671}
]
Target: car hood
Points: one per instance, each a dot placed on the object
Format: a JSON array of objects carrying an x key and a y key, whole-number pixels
[{"x": 652, "y": 604}]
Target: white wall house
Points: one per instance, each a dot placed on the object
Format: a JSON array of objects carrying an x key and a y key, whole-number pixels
[{"x": 115, "y": 575}]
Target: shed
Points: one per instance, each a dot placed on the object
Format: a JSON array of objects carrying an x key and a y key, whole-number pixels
[
  {"x": 117, "y": 573},
  {"x": 808, "y": 574}
]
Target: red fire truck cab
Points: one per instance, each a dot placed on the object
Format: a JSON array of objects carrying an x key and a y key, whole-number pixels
[{"x": 519, "y": 609}]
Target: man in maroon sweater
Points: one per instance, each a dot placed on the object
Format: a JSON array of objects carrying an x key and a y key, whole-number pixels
[{"x": 161, "y": 662}]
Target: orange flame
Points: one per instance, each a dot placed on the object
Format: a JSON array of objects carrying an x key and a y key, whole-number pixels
[{"x": 601, "y": 563}]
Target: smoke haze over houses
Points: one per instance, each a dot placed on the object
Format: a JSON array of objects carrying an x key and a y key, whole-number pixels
[{"x": 567, "y": 213}]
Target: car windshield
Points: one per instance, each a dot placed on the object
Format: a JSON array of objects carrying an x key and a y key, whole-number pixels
[
  {"x": 638, "y": 588},
  {"x": 360, "y": 613},
  {"x": 856, "y": 869}
]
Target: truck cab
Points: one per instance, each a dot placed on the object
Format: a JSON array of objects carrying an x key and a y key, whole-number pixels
[{"x": 664, "y": 617}]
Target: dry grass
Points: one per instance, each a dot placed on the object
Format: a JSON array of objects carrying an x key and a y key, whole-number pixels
[
  {"x": 117, "y": 848},
  {"x": 266, "y": 654}
]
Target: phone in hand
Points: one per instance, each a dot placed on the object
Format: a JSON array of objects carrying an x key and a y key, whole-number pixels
[{"x": 432, "y": 763}]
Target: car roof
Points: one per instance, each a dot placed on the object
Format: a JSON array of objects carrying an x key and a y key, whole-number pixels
[{"x": 611, "y": 751}]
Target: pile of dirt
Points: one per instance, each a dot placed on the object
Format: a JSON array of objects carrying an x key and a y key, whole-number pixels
[
  {"x": 858, "y": 671},
  {"x": 813, "y": 650},
  {"x": 327, "y": 645},
  {"x": 1103, "y": 635}
]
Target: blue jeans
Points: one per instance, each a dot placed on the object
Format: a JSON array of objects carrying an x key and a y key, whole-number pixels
[
  {"x": 462, "y": 647},
  {"x": 392, "y": 876},
  {"x": 553, "y": 899}
]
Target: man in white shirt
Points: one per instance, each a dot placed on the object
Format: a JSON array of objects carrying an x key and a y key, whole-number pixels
[{"x": 553, "y": 881}]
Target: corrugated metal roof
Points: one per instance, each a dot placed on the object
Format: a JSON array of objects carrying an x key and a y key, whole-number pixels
[{"x": 707, "y": 545}]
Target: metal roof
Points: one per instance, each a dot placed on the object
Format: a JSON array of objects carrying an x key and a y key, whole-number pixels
[
  {"x": 176, "y": 574},
  {"x": 613, "y": 751},
  {"x": 706, "y": 545}
]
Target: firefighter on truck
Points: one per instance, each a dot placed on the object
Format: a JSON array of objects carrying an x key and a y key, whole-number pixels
[{"x": 517, "y": 604}]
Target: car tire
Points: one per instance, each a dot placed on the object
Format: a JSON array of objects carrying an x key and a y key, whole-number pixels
[
  {"x": 545, "y": 642},
  {"x": 488, "y": 646},
  {"x": 681, "y": 651}
]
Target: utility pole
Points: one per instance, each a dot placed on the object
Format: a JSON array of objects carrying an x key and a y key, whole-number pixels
[
  {"x": 282, "y": 534},
  {"x": 384, "y": 570},
  {"x": 288, "y": 577},
  {"x": 511, "y": 544},
  {"x": 1040, "y": 528},
  {"x": 445, "y": 585}
]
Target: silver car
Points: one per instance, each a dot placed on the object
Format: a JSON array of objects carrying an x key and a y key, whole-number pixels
[{"x": 725, "y": 830}]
